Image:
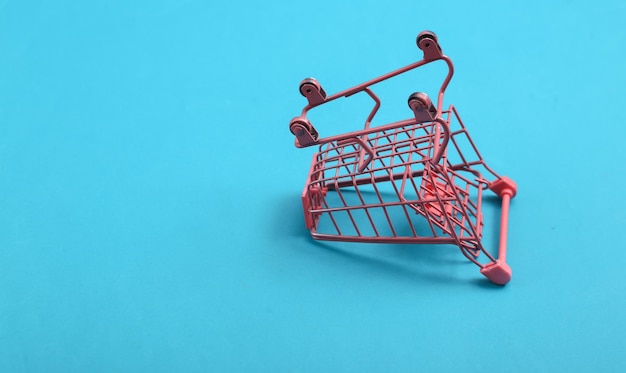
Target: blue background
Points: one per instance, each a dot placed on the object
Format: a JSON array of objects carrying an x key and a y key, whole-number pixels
[{"x": 149, "y": 189}]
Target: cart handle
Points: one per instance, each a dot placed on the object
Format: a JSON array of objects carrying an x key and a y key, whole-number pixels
[{"x": 499, "y": 271}]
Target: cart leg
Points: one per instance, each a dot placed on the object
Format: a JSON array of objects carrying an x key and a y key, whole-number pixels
[{"x": 499, "y": 272}]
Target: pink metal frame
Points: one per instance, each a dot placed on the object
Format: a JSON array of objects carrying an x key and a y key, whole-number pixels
[{"x": 417, "y": 180}]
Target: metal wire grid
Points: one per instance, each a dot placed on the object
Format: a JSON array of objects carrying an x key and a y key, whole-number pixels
[{"x": 399, "y": 196}]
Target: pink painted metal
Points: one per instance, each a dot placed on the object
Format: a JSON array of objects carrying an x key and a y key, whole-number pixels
[{"x": 418, "y": 180}]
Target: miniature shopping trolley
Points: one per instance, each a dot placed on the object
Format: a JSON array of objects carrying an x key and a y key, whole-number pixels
[{"x": 414, "y": 181}]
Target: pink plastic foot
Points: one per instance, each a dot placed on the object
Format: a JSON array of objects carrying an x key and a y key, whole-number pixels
[
  {"x": 504, "y": 185},
  {"x": 498, "y": 272}
]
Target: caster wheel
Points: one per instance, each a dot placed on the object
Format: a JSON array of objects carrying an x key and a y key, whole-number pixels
[
  {"x": 300, "y": 127},
  {"x": 419, "y": 101},
  {"x": 310, "y": 85},
  {"x": 424, "y": 36}
]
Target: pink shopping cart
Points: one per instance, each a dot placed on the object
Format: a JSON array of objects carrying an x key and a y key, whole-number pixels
[{"x": 418, "y": 180}]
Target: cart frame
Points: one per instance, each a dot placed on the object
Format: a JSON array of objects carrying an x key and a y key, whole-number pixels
[{"x": 415, "y": 167}]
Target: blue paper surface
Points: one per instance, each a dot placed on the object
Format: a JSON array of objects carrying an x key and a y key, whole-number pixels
[{"x": 150, "y": 214}]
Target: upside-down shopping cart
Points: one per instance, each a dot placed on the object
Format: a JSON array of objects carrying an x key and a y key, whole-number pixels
[{"x": 410, "y": 181}]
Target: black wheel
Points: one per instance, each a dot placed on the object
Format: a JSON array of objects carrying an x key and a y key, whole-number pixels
[
  {"x": 419, "y": 100},
  {"x": 426, "y": 35},
  {"x": 309, "y": 84},
  {"x": 299, "y": 125}
]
